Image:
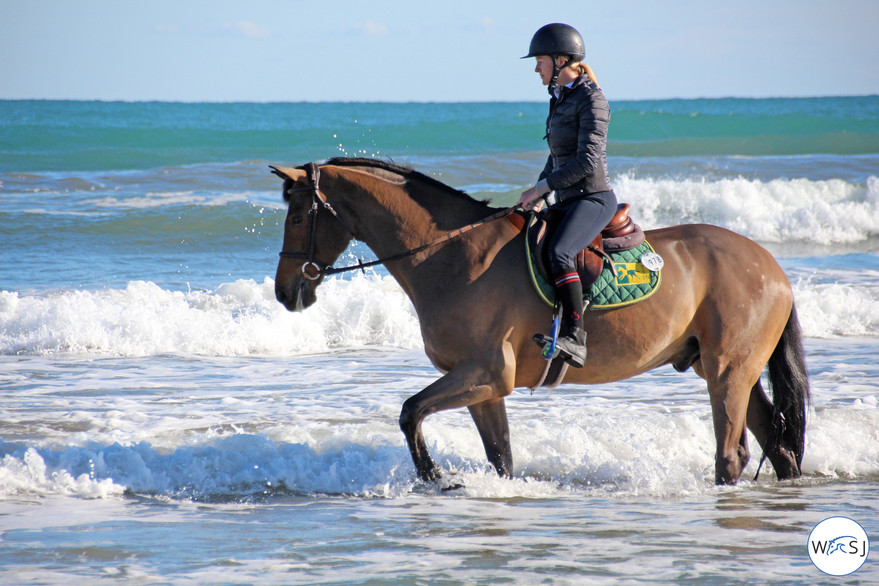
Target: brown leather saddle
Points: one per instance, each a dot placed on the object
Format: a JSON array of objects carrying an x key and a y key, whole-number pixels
[{"x": 621, "y": 233}]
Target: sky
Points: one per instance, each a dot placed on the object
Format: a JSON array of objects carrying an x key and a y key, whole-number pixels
[{"x": 440, "y": 50}]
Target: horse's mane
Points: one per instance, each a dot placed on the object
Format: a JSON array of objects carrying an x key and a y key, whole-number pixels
[{"x": 408, "y": 173}]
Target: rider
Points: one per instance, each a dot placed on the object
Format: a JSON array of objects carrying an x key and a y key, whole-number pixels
[{"x": 576, "y": 170}]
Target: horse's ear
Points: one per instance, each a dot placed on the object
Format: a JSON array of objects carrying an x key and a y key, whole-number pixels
[{"x": 289, "y": 173}]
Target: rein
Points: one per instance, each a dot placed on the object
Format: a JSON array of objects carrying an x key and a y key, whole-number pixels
[{"x": 321, "y": 269}]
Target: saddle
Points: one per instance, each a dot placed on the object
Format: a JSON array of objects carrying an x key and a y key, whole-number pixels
[{"x": 621, "y": 233}]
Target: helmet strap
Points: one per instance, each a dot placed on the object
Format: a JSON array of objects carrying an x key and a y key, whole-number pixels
[{"x": 556, "y": 70}]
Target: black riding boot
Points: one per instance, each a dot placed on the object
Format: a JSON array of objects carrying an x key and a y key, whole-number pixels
[{"x": 572, "y": 337}]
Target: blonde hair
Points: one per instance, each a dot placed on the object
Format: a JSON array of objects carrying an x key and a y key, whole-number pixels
[{"x": 584, "y": 69}]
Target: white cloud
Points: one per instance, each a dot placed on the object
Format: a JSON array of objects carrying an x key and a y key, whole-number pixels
[
  {"x": 246, "y": 28},
  {"x": 487, "y": 23},
  {"x": 372, "y": 28}
]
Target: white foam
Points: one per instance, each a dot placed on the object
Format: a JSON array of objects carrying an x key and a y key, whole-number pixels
[
  {"x": 780, "y": 210},
  {"x": 614, "y": 450},
  {"x": 167, "y": 199},
  {"x": 237, "y": 318},
  {"x": 842, "y": 441},
  {"x": 243, "y": 317},
  {"x": 836, "y": 309},
  {"x": 26, "y": 472}
]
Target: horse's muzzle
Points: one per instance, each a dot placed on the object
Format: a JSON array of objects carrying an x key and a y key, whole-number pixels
[{"x": 295, "y": 296}]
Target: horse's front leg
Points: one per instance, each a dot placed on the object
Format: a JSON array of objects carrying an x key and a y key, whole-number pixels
[
  {"x": 462, "y": 387},
  {"x": 491, "y": 421}
]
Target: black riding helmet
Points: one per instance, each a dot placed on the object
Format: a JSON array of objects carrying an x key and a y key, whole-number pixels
[
  {"x": 553, "y": 40},
  {"x": 557, "y": 39}
]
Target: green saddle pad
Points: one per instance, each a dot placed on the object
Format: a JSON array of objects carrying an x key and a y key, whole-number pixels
[{"x": 627, "y": 282}]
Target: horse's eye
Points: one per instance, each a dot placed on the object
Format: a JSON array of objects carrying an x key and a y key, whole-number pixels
[{"x": 296, "y": 219}]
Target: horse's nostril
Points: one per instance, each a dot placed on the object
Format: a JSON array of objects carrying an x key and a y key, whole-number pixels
[{"x": 282, "y": 294}]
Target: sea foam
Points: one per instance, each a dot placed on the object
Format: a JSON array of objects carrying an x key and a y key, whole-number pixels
[
  {"x": 621, "y": 451},
  {"x": 243, "y": 317},
  {"x": 236, "y": 318},
  {"x": 820, "y": 212}
]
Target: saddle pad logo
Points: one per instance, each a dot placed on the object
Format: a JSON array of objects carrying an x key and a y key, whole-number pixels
[{"x": 631, "y": 273}]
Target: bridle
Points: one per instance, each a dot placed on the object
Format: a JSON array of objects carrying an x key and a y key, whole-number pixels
[{"x": 318, "y": 200}]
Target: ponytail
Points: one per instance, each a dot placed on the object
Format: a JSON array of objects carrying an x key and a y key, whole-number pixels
[
  {"x": 578, "y": 66},
  {"x": 586, "y": 70}
]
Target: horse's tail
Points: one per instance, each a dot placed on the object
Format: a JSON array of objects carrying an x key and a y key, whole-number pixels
[{"x": 789, "y": 382}]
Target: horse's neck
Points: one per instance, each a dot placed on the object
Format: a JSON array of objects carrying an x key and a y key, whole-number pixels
[
  {"x": 391, "y": 213},
  {"x": 393, "y": 216}
]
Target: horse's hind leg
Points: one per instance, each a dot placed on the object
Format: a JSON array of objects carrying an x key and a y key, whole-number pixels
[
  {"x": 780, "y": 426},
  {"x": 729, "y": 390},
  {"x": 491, "y": 421},
  {"x": 729, "y": 431},
  {"x": 760, "y": 418}
]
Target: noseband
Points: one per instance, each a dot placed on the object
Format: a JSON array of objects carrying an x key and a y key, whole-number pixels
[{"x": 318, "y": 199}]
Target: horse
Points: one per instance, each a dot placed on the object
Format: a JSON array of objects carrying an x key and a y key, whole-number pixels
[{"x": 725, "y": 308}]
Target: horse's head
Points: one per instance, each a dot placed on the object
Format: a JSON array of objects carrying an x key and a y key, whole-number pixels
[{"x": 313, "y": 239}]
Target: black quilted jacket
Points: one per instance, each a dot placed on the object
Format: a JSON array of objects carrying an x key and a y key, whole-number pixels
[{"x": 576, "y": 131}]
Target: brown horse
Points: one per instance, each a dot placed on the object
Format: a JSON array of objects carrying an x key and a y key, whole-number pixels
[{"x": 725, "y": 308}]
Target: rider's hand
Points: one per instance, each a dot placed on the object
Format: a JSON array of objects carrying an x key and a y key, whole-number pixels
[{"x": 530, "y": 199}]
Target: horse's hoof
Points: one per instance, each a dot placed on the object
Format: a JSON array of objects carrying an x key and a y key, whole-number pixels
[
  {"x": 432, "y": 474},
  {"x": 445, "y": 484},
  {"x": 435, "y": 476}
]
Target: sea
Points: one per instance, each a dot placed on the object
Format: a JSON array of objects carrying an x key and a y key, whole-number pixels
[{"x": 164, "y": 420}]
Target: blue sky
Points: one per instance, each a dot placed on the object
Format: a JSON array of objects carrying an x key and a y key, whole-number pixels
[{"x": 445, "y": 50}]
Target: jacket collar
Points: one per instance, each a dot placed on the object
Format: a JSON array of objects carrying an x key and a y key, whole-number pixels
[{"x": 563, "y": 91}]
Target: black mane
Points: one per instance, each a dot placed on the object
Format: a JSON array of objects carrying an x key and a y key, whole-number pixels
[{"x": 408, "y": 172}]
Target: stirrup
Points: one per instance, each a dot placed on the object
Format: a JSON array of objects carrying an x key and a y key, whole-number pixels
[
  {"x": 549, "y": 344},
  {"x": 548, "y": 347}
]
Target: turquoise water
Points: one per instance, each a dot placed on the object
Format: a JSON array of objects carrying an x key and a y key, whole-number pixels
[
  {"x": 166, "y": 420},
  {"x": 59, "y": 136}
]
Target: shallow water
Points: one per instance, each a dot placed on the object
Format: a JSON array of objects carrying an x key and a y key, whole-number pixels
[
  {"x": 292, "y": 470},
  {"x": 743, "y": 535}
]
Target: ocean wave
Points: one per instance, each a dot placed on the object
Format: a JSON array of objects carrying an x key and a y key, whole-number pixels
[
  {"x": 621, "y": 453},
  {"x": 836, "y": 309},
  {"x": 793, "y": 199},
  {"x": 780, "y": 210},
  {"x": 243, "y": 317},
  {"x": 237, "y": 318}
]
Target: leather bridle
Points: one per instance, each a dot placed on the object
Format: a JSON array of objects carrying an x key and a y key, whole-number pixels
[{"x": 318, "y": 199}]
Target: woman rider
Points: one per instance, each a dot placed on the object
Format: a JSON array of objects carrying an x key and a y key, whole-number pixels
[{"x": 576, "y": 170}]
